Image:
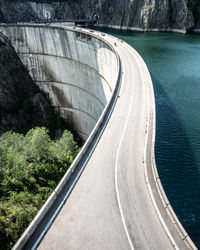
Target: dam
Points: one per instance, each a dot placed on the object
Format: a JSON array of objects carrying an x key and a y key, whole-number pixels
[
  {"x": 77, "y": 72},
  {"x": 117, "y": 202}
]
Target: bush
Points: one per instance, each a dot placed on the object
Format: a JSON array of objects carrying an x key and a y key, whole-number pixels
[{"x": 30, "y": 168}]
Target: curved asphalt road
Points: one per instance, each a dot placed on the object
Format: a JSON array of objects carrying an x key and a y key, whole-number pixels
[{"x": 110, "y": 206}]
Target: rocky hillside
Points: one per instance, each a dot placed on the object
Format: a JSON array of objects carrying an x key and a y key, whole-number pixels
[
  {"x": 135, "y": 14},
  {"x": 22, "y": 105}
]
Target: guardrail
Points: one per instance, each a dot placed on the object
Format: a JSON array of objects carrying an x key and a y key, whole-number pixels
[
  {"x": 165, "y": 202},
  {"x": 150, "y": 146},
  {"x": 87, "y": 151}
]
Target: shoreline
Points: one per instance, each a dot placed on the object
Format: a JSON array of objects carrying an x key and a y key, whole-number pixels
[
  {"x": 118, "y": 27},
  {"x": 138, "y": 29}
]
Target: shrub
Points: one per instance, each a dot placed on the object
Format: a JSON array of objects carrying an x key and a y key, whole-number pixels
[{"x": 30, "y": 168}]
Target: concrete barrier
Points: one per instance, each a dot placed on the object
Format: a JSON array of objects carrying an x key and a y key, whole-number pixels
[
  {"x": 150, "y": 168},
  {"x": 166, "y": 204}
]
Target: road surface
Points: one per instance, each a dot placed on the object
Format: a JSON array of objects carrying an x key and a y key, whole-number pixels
[{"x": 110, "y": 206}]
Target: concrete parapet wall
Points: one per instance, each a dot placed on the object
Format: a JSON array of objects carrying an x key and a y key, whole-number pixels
[{"x": 77, "y": 70}]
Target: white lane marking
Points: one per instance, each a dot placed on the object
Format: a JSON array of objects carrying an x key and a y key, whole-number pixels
[
  {"x": 49, "y": 223},
  {"x": 145, "y": 168},
  {"x": 137, "y": 57},
  {"x": 116, "y": 168}
]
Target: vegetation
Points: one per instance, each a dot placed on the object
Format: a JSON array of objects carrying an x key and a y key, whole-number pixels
[{"x": 30, "y": 168}]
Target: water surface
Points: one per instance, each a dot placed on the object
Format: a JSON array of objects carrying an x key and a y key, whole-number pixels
[{"x": 174, "y": 63}]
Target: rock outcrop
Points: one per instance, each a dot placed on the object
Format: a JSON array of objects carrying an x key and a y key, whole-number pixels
[
  {"x": 150, "y": 15},
  {"x": 129, "y": 14}
]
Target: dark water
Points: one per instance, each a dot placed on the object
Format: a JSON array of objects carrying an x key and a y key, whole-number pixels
[{"x": 174, "y": 63}]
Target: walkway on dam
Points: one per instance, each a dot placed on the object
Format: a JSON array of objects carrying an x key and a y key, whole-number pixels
[{"x": 110, "y": 206}]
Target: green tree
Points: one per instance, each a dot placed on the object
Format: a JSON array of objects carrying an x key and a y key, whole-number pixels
[{"x": 30, "y": 168}]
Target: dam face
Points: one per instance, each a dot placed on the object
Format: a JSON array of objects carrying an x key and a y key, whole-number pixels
[{"x": 78, "y": 71}]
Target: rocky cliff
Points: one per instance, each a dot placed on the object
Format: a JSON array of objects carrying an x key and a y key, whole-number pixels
[
  {"x": 22, "y": 105},
  {"x": 131, "y": 14}
]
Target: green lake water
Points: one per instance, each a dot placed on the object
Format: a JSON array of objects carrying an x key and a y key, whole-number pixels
[{"x": 174, "y": 63}]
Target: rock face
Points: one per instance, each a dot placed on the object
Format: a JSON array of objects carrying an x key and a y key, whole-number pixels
[
  {"x": 132, "y": 14},
  {"x": 22, "y": 105},
  {"x": 150, "y": 14}
]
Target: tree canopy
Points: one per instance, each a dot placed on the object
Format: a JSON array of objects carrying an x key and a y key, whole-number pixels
[{"x": 30, "y": 168}]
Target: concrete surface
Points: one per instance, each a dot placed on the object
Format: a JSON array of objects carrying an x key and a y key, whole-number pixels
[{"x": 77, "y": 71}]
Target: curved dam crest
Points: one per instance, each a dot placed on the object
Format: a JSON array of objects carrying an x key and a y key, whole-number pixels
[
  {"x": 134, "y": 210},
  {"x": 77, "y": 71}
]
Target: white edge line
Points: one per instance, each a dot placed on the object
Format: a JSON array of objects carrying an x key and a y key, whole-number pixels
[
  {"x": 116, "y": 168},
  {"x": 145, "y": 164},
  {"x": 150, "y": 189},
  {"x": 73, "y": 184},
  {"x": 81, "y": 170},
  {"x": 151, "y": 193}
]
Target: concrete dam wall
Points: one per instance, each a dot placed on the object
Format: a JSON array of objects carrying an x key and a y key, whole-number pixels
[{"x": 78, "y": 71}]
